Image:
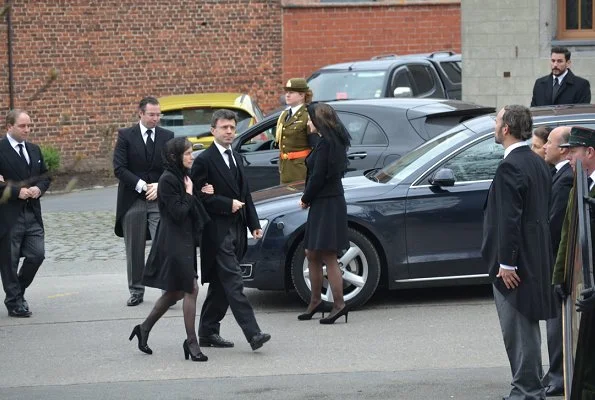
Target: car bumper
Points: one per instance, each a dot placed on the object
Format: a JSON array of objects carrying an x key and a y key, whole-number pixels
[{"x": 263, "y": 265}]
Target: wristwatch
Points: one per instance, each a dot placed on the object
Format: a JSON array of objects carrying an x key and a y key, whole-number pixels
[{"x": 145, "y": 187}]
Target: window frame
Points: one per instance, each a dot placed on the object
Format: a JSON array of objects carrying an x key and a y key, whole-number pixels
[{"x": 563, "y": 33}]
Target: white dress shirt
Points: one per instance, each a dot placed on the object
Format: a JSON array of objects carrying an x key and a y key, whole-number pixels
[{"x": 15, "y": 146}]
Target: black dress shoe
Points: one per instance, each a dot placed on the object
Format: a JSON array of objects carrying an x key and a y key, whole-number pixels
[
  {"x": 554, "y": 391},
  {"x": 214, "y": 340},
  {"x": 25, "y": 304},
  {"x": 258, "y": 340},
  {"x": 134, "y": 300},
  {"x": 19, "y": 312}
]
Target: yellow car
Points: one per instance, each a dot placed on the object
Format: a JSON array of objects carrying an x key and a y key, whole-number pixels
[{"x": 190, "y": 114}]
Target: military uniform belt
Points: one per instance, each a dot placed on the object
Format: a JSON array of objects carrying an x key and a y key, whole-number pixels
[{"x": 292, "y": 155}]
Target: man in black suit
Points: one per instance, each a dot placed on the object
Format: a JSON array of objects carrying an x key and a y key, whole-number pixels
[
  {"x": 561, "y": 86},
  {"x": 518, "y": 249},
  {"x": 562, "y": 181},
  {"x": 138, "y": 165},
  {"x": 25, "y": 180},
  {"x": 224, "y": 238}
]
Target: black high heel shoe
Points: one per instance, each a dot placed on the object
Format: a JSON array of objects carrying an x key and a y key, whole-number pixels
[
  {"x": 308, "y": 315},
  {"x": 142, "y": 341},
  {"x": 187, "y": 353},
  {"x": 332, "y": 318}
]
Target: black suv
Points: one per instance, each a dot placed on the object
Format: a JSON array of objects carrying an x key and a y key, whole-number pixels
[{"x": 435, "y": 74}]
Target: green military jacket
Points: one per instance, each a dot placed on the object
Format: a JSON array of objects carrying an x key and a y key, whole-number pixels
[
  {"x": 559, "y": 274},
  {"x": 292, "y": 136}
]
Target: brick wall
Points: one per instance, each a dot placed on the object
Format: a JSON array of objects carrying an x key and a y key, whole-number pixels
[
  {"x": 316, "y": 34},
  {"x": 108, "y": 54}
]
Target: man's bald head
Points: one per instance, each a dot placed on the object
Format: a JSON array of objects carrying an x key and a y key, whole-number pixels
[{"x": 553, "y": 152}]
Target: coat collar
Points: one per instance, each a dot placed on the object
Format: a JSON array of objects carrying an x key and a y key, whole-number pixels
[{"x": 224, "y": 170}]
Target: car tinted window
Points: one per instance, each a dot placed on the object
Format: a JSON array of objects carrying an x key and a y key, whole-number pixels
[
  {"x": 374, "y": 135},
  {"x": 400, "y": 169},
  {"x": 196, "y": 121},
  {"x": 347, "y": 85},
  {"x": 355, "y": 124},
  {"x": 424, "y": 81},
  {"x": 400, "y": 79},
  {"x": 478, "y": 162},
  {"x": 452, "y": 69},
  {"x": 259, "y": 141}
]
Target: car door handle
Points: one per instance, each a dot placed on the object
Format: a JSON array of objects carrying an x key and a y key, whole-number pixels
[
  {"x": 358, "y": 156},
  {"x": 274, "y": 160}
]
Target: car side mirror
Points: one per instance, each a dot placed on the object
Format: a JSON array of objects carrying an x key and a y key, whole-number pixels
[
  {"x": 402, "y": 91},
  {"x": 442, "y": 177},
  {"x": 197, "y": 146}
]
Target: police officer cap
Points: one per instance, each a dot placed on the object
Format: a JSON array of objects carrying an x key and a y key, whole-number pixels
[
  {"x": 580, "y": 136},
  {"x": 296, "y": 85}
]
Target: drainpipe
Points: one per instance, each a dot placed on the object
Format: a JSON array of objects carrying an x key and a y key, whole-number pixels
[{"x": 7, "y": 10}]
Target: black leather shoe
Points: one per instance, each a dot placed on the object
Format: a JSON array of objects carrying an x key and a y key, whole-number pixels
[
  {"x": 19, "y": 312},
  {"x": 135, "y": 300},
  {"x": 25, "y": 304},
  {"x": 258, "y": 340},
  {"x": 554, "y": 391},
  {"x": 214, "y": 340}
]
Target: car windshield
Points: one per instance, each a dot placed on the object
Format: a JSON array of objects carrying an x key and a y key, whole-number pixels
[
  {"x": 409, "y": 163},
  {"x": 341, "y": 85},
  {"x": 197, "y": 121}
]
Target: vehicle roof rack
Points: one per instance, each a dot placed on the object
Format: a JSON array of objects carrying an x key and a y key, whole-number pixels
[
  {"x": 441, "y": 53},
  {"x": 383, "y": 56}
]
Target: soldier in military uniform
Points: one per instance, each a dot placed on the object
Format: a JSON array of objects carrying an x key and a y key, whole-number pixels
[
  {"x": 292, "y": 136},
  {"x": 582, "y": 147}
]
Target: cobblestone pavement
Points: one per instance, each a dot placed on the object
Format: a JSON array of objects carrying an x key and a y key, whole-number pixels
[{"x": 82, "y": 237}]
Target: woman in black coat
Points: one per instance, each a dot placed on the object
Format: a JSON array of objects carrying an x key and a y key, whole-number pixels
[
  {"x": 171, "y": 265},
  {"x": 326, "y": 228}
]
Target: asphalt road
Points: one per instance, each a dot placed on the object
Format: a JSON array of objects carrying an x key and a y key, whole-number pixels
[{"x": 412, "y": 344}]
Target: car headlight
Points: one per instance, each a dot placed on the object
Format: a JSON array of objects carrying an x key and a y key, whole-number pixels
[{"x": 263, "y": 225}]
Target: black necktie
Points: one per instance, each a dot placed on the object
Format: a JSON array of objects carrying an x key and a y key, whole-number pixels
[
  {"x": 555, "y": 89},
  {"x": 288, "y": 115},
  {"x": 589, "y": 183},
  {"x": 232, "y": 166},
  {"x": 150, "y": 145},
  {"x": 554, "y": 170},
  {"x": 22, "y": 153}
]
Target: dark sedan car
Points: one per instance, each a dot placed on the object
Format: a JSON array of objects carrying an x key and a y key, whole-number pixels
[
  {"x": 382, "y": 130},
  {"x": 416, "y": 222}
]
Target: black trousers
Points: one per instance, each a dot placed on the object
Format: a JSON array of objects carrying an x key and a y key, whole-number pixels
[
  {"x": 226, "y": 289},
  {"x": 25, "y": 239}
]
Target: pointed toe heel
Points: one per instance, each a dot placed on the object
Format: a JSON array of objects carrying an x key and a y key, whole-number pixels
[
  {"x": 195, "y": 357},
  {"x": 142, "y": 341},
  {"x": 332, "y": 318},
  {"x": 308, "y": 315}
]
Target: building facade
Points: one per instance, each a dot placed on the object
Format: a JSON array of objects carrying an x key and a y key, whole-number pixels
[{"x": 80, "y": 66}]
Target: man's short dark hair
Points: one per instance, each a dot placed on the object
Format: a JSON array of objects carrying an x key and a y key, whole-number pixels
[
  {"x": 561, "y": 50},
  {"x": 147, "y": 100},
  {"x": 11, "y": 117},
  {"x": 519, "y": 121},
  {"x": 223, "y": 114}
]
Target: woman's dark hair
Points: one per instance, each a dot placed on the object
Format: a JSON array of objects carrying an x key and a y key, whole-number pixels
[
  {"x": 330, "y": 127},
  {"x": 173, "y": 155},
  {"x": 543, "y": 132}
]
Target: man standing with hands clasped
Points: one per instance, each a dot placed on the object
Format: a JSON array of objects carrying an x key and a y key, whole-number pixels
[
  {"x": 223, "y": 241},
  {"x": 138, "y": 165},
  {"x": 23, "y": 180},
  {"x": 518, "y": 250}
]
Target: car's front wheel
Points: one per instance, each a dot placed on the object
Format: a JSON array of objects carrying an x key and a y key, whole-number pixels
[{"x": 360, "y": 268}]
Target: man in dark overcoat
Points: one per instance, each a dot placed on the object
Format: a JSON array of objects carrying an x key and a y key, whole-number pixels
[
  {"x": 138, "y": 165},
  {"x": 224, "y": 240},
  {"x": 518, "y": 249},
  {"x": 562, "y": 179},
  {"x": 561, "y": 86},
  {"x": 24, "y": 181},
  {"x": 581, "y": 145}
]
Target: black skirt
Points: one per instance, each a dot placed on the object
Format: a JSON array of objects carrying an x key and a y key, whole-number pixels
[{"x": 326, "y": 228}]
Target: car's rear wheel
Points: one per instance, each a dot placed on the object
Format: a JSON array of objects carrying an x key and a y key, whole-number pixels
[{"x": 360, "y": 267}]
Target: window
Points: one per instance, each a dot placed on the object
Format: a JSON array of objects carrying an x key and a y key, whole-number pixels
[
  {"x": 197, "y": 121},
  {"x": 374, "y": 136},
  {"x": 575, "y": 19},
  {"x": 424, "y": 80},
  {"x": 356, "y": 126},
  {"x": 400, "y": 79},
  {"x": 478, "y": 162}
]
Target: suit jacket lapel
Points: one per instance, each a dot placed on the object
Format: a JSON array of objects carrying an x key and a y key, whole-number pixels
[
  {"x": 15, "y": 161},
  {"x": 137, "y": 141},
  {"x": 223, "y": 169},
  {"x": 559, "y": 173}
]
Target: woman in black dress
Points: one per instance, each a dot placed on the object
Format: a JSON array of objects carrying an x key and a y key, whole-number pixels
[
  {"x": 326, "y": 229},
  {"x": 171, "y": 265}
]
